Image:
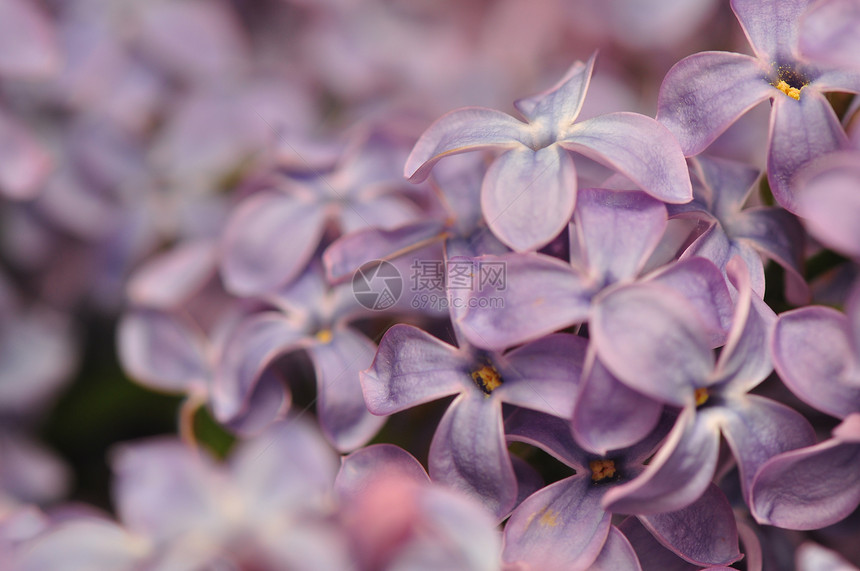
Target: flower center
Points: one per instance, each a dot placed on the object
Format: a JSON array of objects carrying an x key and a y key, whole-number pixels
[
  {"x": 790, "y": 82},
  {"x": 792, "y": 92},
  {"x": 701, "y": 395},
  {"x": 487, "y": 378},
  {"x": 602, "y": 469},
  {"x": 324, "y": 336}
]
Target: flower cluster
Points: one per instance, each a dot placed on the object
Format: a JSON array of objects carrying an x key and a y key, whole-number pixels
[{"x": 618, "y": 323}]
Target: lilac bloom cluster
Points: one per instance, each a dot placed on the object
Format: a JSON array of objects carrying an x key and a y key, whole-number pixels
[{"x": 615, "y": 326}]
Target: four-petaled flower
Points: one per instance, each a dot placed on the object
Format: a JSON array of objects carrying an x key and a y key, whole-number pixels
[{"x": 529, "y": 192}]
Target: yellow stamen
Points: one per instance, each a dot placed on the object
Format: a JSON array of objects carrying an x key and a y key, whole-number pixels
[
  {"x": 487, "y": 378},
  {"x": 601, "y": 469},
  {"x": 324, "y": 336},
  {"x": 792, "y": 92},
  {"x": 701, "y": 395}
]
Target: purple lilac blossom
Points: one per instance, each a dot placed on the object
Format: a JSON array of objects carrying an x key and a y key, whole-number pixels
[
  {"x": 131, "y": 132},
  {"x": 815, "y": 351},
  {"x": 653, "y": 342},
  {"x": 613, "y": 235},
  {"x": 315, "y": 317},
  {"x": 705, "y": 93},
  {"x": 534, "y": 179},
  {"x": 721, "y": 190},
  {"x": 565, "y": 525},
  {"x": 359, "y": 190},
  {"x": 468, "y": 450},
  {"x": 396, "y": 518}
]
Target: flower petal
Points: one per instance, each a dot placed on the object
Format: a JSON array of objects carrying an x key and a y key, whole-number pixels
[
  {"x": 343, "y": 416},
  {"x": 617, "y": 553},
  {"x": 715, "y": 245},
  {"x": 468, "y": 452},
  {"x": 778, "y": 235},
  {"x": 86, "y": 543},
  {"x": 560, "y": 527},
  {"x": 830, "y": 31},
  {"x": 808, "y": 488},
  {"x": 800, "y": 131},
  {"x": 610, "y": 415},
  {"x": 162, "y": 351},
  {"x": 255, "y": 343},
  {"x": 651, "y": 339},
  {"x": 412, "y": 367},
  {"x": 528, "y": 196},
  {"x": 828, "y": 201},
  {"x": 814, "y": 356},
  {"x": 680, "y": 472},
  {"x": 757, "y": 429},
  {"x": 653, "y": 556},
  {"x": 460, "y": 131},
  {"x": 618, "y": 231},
  {"x": 269, "y": 401},
  {"x": 771, "y": 26},
  {"x": 560, "y": 105},
  {"x": 255, "y": 259},
  {"x": 288, "y": 467},
  {"x": 549, "y": 433},
  {"x": 703, "y": 94},
  {"x": 638, "y": 147},
  {"x": 744, "y": 360},
  {"x": 348, "y": 253},
  {"x": 704, "y": 532},
  {"x": 813, "y": 557},
  {"x": 360, "y": 468},
  {"x": 168, "y": 280},
  {"x": 541, "y": 295},
  {"x": 162, "y": 488},
  {"x": 543, "y": 375},
  {"x": 703, "y": 285},
  {"x": 727, "y": 183}
]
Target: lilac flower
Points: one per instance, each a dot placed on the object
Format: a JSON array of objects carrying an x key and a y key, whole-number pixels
[
  {"x": 816, "y": 353},
  {"x": 721, "y": 188},
  {"x": 807, "y": 488},
  {"x": 272, "y": 235},
  {"x": 269, "y": 507},
  {"x": 468, "y": 450},
  {"x": 705, "y": 93},
  {"x": 536, "y": 157},
  {"x": 653, "y": 342},
  {"x": 172, "y": 337},
  {"x": 565, "y": 525},
  {"x": 312, "y": 316},
  {"x": 396, "y": 519},
  {"x": 812, "y": 344},
  {"x": 613, "y": 236}
]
